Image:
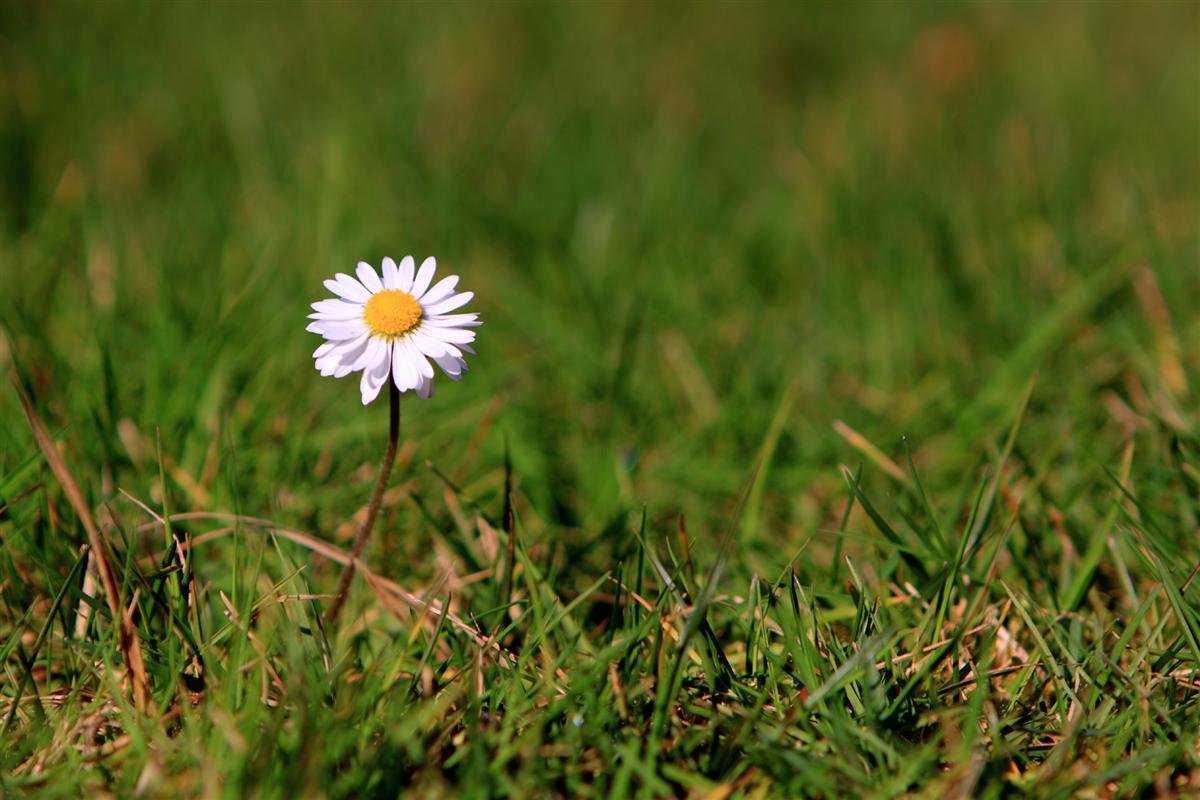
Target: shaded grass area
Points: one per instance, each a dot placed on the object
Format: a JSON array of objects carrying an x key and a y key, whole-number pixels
[{"x": 833, "y": 430}]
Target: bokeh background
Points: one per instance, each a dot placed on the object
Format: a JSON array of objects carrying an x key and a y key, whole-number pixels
[{"x": 699, "y": 234}]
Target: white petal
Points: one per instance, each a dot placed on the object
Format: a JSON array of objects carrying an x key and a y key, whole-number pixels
[
  {"x": 432, "y": 347},
  {"x": 370, "y": 356},
  {"x": 348, "y": 354},
  {"x": 330, "y": 366},
  {"x": 404, "y": 373},
  {"x": 391, "y": 275},
  {"x": 323, "y": 350},
  {"x": 336, "y": 309},
  {"x": 453, "y": 335},
  {"x": 424, "y": 276},
  {"x": 375, "y": 377},
  {"x": 369, "y": 389},
  {"x": 453, "y": 367},
  {"x": 345, "y": 286},
  {"x": 425, "y": 390},
  {"x": 338, "y": 330},
  {"x": 451, "y": 303},
  {"x": 333, "y": 361},
  {"x": 352, "y": 285},
  {"x": 439, "y": 291},
  {"x": 330, "y": 304},
  {"x": 383, "y": 367},
  {"x": 351, "y": 347},
  {"x": 454, "y": 321},
  {"x": 326, "y": 363},
  {"x": 345, "y": 359},
  {"x": 424, "y": 368},
  {"x": 366, "y": 273},
  {"x": 406, "y": 274}
]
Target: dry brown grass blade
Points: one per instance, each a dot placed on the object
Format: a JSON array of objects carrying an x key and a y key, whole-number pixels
[
  {"x": 1166, "y": 343},
  {"x": 83, "y": 613},
  {"x": 131, "y": 649},
  {"x": 868, "y": 449},
  {"x": 380, "y": 585}
]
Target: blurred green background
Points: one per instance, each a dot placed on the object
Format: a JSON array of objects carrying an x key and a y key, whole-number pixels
[{"x": 684, "y": 223}]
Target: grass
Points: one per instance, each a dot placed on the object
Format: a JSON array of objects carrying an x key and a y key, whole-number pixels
[{"x": 833, "y": 430}]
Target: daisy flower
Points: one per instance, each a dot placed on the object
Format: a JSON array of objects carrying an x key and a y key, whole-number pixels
[{"x": 393, "y": 327}]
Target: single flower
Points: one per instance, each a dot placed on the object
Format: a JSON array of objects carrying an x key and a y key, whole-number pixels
[{"x": 392, "y": 327}]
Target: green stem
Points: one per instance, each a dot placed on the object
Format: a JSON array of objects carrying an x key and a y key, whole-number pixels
[{"x": 385, "y": 471}]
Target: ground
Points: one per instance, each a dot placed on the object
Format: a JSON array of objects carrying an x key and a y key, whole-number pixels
[{"x": 833, "y": 429}]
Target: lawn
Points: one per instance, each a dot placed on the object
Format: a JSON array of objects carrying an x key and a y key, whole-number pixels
[{"x": 833, "y": 428}]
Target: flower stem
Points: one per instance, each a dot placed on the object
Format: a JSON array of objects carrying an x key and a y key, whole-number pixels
[{"x": 385, "y": 471}]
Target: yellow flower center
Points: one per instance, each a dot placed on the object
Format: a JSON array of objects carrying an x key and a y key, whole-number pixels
[{"x": 392, "y": 312}]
